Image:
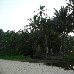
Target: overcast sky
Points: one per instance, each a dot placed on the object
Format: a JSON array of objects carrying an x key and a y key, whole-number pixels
[{"x": 14, "y": 13}]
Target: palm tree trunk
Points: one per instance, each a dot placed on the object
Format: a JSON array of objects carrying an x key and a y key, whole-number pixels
[
  {"x": 61, "y": 46},
  {"x": 46, "y": 46}
]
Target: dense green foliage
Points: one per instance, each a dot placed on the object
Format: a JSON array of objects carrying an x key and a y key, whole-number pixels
[
  {"x": 47, "y": 36},
  {"x": 15, "y": 43}
]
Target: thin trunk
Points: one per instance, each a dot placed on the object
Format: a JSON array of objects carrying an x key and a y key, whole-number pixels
[
  {"x": 38, "y": 47},
  {"x": 46, "y": 46},
  {"x": 61, "y": 46},
  {"x": 51, "y": 50},
  {"x": 64, "y": 42}
]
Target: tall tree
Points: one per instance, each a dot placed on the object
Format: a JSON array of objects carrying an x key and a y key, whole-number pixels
[
  {"x": 42, "y": 26},
  {"x": 62, "y": 25}
]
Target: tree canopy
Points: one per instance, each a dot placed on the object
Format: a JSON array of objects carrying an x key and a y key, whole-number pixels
[{"x": 47, "y": 36}]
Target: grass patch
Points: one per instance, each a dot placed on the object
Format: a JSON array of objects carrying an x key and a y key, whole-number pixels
[
  {"x": 69, "y": 58},
  {"x": 29, "y": 59},
  {"x": 15, "y": 57},
  {"x": 22, "y": 58}
]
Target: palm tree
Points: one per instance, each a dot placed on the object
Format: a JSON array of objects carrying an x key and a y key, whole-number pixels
[
  {"x": 62, "y": 25},
  {"x": 70, "y": 6},
  {"x": 42, "y": 27}
]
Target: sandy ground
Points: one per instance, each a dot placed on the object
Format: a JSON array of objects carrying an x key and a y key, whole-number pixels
[{"x": 16, "y": 67}]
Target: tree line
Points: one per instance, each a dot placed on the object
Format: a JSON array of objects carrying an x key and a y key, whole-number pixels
[{"x": 44, "y": 35}]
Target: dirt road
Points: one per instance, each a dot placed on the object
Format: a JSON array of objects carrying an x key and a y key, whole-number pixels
[{"x": 16, "y": 67}]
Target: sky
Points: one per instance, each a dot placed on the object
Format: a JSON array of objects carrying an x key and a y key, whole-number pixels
[{"x": 14, "y": 13}]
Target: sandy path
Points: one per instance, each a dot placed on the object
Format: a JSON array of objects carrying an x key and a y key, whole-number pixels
[{"x": 15, "y": 67}]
